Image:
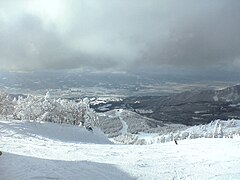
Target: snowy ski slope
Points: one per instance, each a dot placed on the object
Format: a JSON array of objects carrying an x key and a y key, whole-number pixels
[{"x": 34, "y": 150}]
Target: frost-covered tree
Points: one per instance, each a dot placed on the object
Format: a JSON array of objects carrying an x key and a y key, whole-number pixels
[
  {"x": 89, "y": 115},
  {"x": 46, "y": 108},
  {"x": 215, "y": 130},
  {"x": 220, "y": 131},
  {"x": 6, "y": 105},
  {"x": 27, "y": 108}
]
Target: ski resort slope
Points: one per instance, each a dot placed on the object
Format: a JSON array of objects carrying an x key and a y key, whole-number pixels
[{"x": 51, "y": 151}]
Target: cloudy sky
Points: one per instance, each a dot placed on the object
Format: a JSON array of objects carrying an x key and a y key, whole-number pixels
[{"x": 119, "y": 34}]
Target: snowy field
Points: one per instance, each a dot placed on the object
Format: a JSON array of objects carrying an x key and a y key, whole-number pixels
[{"x": 34, "y": 150}]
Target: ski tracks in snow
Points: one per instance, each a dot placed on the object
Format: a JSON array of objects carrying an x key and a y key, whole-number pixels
[{"x": 124, "y": 124}]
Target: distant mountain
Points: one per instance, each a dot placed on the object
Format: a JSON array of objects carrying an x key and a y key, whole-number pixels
[
  {"x": 188, "y": 108},
  {"x": 230, "y": 94},
  {"x": 143, "y": 82}
]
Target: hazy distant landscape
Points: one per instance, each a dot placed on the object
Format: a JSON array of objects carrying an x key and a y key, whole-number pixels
[
  {"x": 143, "y": 83},
  {"x": 182, "y": 99}
]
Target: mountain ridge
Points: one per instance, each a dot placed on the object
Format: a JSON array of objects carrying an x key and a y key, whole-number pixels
[{"x": 188, "y": 108}]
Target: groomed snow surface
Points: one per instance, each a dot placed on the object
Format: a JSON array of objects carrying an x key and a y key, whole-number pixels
[{"x": 33, "y": 150}]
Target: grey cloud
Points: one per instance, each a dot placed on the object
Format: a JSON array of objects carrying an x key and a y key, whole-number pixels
[
  {"x": 122, "y": 35},
  {"x": 25, "y": 44},
  {"x": 208, "y": 39}
]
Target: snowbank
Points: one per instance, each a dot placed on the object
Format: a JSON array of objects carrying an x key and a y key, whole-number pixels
[{"x": 54, "y": 131}]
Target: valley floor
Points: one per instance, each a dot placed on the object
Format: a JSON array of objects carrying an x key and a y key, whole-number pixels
[{"x": 47, "y": 151}]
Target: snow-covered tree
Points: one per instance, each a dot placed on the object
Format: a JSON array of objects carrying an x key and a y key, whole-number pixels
[
  {"x": 220, "y": 132},
  {"x": 215, "y": 130},
  {"x": 6, "y": 105},
  {"x": 46, "y": 108}
]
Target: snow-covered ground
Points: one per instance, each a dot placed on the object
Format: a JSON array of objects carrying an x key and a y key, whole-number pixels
[
  {"x": 34, "y": 150},
  {"x": 124, "y": 124}
]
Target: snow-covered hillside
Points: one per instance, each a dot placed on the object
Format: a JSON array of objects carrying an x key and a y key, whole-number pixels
[
  {"x": 113, "y": 123},
  {"x": 34, "y": 150}
]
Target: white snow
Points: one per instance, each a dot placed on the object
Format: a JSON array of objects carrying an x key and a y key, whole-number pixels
[
  {"x": 104, "y": 100},
  {"x": 124, "y": 124},
  {"x": 124, "y": 127},
  {"x": 234, "y": 105},
  {"x": 143, "y": 111},
  {"x": 51, "y": 131},
  {"x": 50, "y": 151},
  {"x": 199, "y": 112},
  {"x": 215, "y": 98},
  {"x": 16, "y": 167}
]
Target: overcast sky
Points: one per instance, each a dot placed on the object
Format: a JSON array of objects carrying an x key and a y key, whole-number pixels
[{"x": 119, "y": 34}]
